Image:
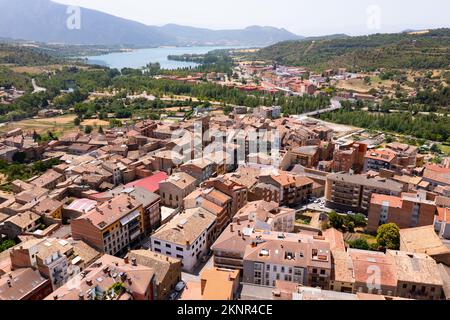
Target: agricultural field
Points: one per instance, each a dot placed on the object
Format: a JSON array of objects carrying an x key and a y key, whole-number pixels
[{"x": 60, "y": 124}]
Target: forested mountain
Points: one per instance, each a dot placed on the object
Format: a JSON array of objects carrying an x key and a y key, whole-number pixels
[
  {"x": 254, "y": 35},
  {"x": 46, "y": 21},
  {"x": 402, "y": 50}
]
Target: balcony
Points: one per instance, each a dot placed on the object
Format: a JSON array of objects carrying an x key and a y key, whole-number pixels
[{"x": 228, "y": 262}]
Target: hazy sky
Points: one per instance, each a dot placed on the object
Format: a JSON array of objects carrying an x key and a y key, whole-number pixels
[{"x": 305, "y": 17}]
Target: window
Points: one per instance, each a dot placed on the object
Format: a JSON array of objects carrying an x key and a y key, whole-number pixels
[
  {"x": 168, "y": 246},
  {"x": 268, "y": 267},
  {"x": 322, "y": 272},
  {"x": 179, "y": 257},
  {"x": 158, "y": 243},
  {"x": 179, "y": 249},
  {"x": 158, "y": 250},
  {"x": 274, "y": 268},
  {"x": 282, "y": 269}
]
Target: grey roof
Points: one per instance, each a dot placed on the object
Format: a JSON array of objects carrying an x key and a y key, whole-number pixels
[{"x": 364, "y": 180}]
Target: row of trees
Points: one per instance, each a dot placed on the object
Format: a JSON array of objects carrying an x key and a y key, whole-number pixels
[
  {"x": 209, "y": 91},
  {"x": 430, "y": 127}
]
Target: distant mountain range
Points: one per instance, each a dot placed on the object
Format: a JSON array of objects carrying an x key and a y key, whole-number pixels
[{"x": 46, "y": 21}]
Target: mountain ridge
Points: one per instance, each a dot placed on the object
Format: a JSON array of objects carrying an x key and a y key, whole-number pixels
[{"x": 46, "y": 21}]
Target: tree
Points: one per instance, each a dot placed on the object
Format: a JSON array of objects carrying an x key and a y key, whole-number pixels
[
  {"x": 19, "y": 157},
  {"x": 100, "y": 130},
  {"x": 77, "y": 121},
  {"x": 5, "y": 245},
  {"x": 435, "y": 148},
  {"x": 336, "y": 221},
  {"x": 388, "y": 236},
  {"x": 360, "y": 220},
  {"x": 36, "y": 136},
  {"x": 350, "y": 226},
  {"x": 88, "y": 129},
  {"x": 360, "y": 244}
]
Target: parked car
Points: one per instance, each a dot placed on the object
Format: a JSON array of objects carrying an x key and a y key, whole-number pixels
[{"x": 180, "y": 286}]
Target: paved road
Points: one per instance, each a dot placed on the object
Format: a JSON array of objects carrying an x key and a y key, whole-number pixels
[
  {"x": 335, "y": 105},
  {"x": 195, "y": 276},
  {"x": 36, "y": 88}
]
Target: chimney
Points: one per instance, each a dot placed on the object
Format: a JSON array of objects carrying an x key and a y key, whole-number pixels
[
  {"x": 238, "y": 221},
  {"x": 133, "y": 262},
  {"x": 126, "y": 260},
  {"x": 9, "y": 284},
  {"x": 81, "y": 296},
  {"x": 55, "y": 297},
  {"x": 232, "y": 227}
]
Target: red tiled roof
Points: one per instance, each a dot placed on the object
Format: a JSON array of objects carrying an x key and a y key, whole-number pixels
[
  {"x": 151, "y": 183},
  {"x": 381, "y": 155},
  {"x": 391, "y": 201}
]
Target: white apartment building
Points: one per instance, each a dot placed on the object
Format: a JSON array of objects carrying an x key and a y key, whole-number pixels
[{"x": 186, "y": 237}]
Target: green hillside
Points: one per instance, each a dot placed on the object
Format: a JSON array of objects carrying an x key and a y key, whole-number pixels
[{"x": 430, "y": 50}]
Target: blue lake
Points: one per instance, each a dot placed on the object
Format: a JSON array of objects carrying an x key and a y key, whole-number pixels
[{"x": 141, "y": 57}]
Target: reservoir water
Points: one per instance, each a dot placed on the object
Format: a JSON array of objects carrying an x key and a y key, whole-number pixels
[{"x": 141, "y": 57}]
